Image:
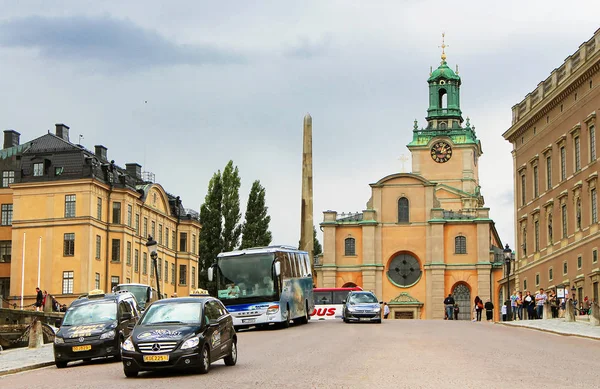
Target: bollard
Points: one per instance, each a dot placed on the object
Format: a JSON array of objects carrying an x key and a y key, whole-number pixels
[
  {"x": 569, "y": 314},
  {"x": 595, "y": 316},
  {"x": 36, "y": 334},
  {"x": 547, "y": 312}
]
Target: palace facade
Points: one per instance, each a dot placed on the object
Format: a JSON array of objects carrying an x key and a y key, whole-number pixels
[
  {"x": 73, "y": 221},
  {"x": 425, "y": 234}
]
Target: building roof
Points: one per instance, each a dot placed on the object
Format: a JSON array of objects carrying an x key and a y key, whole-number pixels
[{"x": 443, "y": 72}]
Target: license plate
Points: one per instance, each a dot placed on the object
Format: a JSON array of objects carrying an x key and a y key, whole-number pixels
[
  {"x": 156, "y": 358},
  {"x": 365, "y": 319},
  {"x": 87, "y": 347},
  {"x": 248, "y": 320}
]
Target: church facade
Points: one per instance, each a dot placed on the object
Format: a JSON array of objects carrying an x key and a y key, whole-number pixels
[{"x": 425, "y": 234}]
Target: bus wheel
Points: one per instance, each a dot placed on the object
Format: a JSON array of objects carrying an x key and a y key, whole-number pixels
[
  {"x": 306, "y": 317},
  {"x": 286, "y": 322}
]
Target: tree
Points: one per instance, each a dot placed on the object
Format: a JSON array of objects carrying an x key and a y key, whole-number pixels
[
  {"x": 211, "y": 243},
  {"x": 255, "y": 231},
  {"x": 317, "y": 249},
  {"x": 231, "y": 208}
]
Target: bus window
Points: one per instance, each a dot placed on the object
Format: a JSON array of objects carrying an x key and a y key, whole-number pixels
[
  {"x": 300, "y": 259},
  {"x": 291, "y": 264},
  {"x": 296, "y": 264},
  {"x": 340, "y": 296},
  {"x": 322, "y": 298},
  {"x": 306, "y": 261},
  {"x": 285, "y": 265}
]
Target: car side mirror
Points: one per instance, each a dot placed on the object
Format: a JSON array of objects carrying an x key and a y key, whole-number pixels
[
  {"x": 126, "y": 316},
  {"x": 343, "y": 301},
  {"x": 210, "y": 273},
  {"x": 381, "y": 302}
]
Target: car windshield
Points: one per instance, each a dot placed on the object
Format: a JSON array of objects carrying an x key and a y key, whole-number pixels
[
  {"x": 362, "y": 298},
  {"x": 91, "y": 313},
  {"x": 177, "y": 313}
]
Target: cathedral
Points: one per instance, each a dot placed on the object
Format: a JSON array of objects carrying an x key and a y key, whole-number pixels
[{"x": 425, "y": 234}]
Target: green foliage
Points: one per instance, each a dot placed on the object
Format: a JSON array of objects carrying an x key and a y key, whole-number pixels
[
  {"x": 255, "y": 231},
  {"x": 317, "y": 249},
  {"x": 231, "y": 208},
  {"x": 211, "y": 243}
]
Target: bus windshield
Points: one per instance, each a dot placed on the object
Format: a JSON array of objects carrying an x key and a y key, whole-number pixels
[
  {"x": 139, "y": 291},
  {"x": 242, "y": 276}
]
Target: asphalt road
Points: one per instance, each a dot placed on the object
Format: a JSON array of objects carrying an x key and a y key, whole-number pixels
[{"x": 395, "y": 354}]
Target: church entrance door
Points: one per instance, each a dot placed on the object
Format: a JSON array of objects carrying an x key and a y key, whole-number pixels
[{"x": 462, "y": 297}]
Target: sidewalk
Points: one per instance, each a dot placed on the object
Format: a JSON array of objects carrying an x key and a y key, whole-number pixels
[
  {"x": 22, "y": 359},
  {"x": 559, "y": 326}
]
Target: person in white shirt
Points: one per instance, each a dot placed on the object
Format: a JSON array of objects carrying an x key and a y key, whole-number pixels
[
  {"x": 386, "y": 310},
  {"x": 503, "y": 311}
]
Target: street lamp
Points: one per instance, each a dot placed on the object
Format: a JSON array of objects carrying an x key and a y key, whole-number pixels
[
  {"x": 575, "y": 301},
  {"x": 152, "y": 245},
  {"x": 508, "y": 257}
]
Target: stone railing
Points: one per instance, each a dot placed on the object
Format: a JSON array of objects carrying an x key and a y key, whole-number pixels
[{"x": 595, "y": 316}]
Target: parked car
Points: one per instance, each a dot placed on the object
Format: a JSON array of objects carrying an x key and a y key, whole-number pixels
[
  {"x": 181, "y": 333},
  {"x": 95, "y": 325},
  {"x": 361, "y": 306}
]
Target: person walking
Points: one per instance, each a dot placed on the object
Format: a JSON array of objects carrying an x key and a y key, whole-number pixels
[
  {"x": 456, "y": 311},
  {"x": 478, "y": 308},
  {"x": 39, "y": 299},
  {"x": 520, "y": 305},
  {"x": 449, "y": 304},
  {"x": 489, "y": 310},
  {"x": 386, "y": 310}
]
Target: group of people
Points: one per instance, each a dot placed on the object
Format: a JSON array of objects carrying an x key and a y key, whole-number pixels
[
  {"x": 452, "y": 309},
  {"x": 530, "y": 307},
  {"x": 40, "y": 302}
]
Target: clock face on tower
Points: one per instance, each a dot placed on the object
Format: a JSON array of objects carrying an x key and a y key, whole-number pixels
[{"x": 441, "y": 152}]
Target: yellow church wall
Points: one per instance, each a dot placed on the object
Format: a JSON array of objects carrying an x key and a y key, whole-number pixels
[
  {"x": 497, "y": 275},
  {"x": 344, "y": 277},
  {"x": 444, "y": 170},
  {"x": 469, "y": 231},
  {"x": 408, "y": 187},
  {"x": 341, "y": 233},
  {"x": 418, "y": 291}
]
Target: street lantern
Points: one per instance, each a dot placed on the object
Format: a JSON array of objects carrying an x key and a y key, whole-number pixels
[
  {"x": 508, "y": 257},
  {"x": 152, "y": 246}
]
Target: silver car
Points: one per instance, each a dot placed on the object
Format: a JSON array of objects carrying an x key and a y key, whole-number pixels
[{"x": 361, "y": 306}]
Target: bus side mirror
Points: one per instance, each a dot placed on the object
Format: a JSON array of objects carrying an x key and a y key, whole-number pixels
[
  {"x": 277, "y": 268},
  {"x": 210, "y": 273}
]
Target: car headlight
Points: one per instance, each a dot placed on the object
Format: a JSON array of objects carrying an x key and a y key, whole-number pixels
[
  {"x": 351, "y": 309},
  {"x": 108, "y": 335},
  {"x": 58, "y": 340},
  {"x": 377, "y": 309},
  {"x": 272, "y": 309},
  {"x": 190, "y": 343},
  {"x": 128, "y": 345}
]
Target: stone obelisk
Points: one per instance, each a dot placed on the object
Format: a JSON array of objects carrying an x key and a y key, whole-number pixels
[{"x": 306, "y": 217}]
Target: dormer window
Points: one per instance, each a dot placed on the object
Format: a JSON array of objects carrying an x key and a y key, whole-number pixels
[{"x": 38, "y": 169}]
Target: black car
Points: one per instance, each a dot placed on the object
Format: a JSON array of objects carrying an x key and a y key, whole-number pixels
[
  {"x": 181, "y": 333},
  {"x": 361, "y": 306},
  {"x": 95, "y": 325}
]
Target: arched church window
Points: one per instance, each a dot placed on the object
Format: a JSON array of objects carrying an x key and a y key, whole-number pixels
[
  {"x": 403, "y": 214},
  {"x": 460, "y": 245},
  {"x": 443, "y": 98},
  {"x": 404, "y": 270},
  {"x": 443, "y": 125},
  {"x": 349, "y": 246}
]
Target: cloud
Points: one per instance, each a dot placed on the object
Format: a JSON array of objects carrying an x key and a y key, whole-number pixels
[
  {"x": 114, "y": 42},
  {"x": 307, "y": 49}
]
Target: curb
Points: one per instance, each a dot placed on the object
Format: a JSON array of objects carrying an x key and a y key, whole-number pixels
[
  {"x": 550, "y": 331},
  {"x": 26, "y": 368}
]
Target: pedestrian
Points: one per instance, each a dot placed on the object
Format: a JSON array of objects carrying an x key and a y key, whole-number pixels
[
  {"x": 39, "y": 299},
  {"x": 540, "y": 300},
  {"x": 503, "y": 310},
  {"x": 449, "y": 303},
  {"x": 587, "y": 305},
  {"x": 456, "y": 311},
  {"x": 529, "y": 305},
  {"x": 520, "y": 305},
  {"x": 478, "y": 308},
  {"x": 386, "y": 310},
  {"x": 513, "y": 305},
  {"x": 489, "y": 310},
  {"x": 553, "y": 300}
]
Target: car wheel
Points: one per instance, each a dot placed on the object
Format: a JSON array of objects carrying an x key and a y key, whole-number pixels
[
  {"x": 231, "y": 359},
  {"x": 204, "y": 360},
  {"x": 378, "y": 321},
  {"x": 60, "y": 364},
  {"x": 130, "y": 373}
]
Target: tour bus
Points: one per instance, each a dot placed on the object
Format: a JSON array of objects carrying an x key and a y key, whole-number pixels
[
  {"x": 264, "y": 285},
  {"x": 329, "y": 302},
  {"x": 144, "y": 294}
]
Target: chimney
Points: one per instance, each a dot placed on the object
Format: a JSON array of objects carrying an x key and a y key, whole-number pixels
[
  {"x": 100, "y": 152},
  {"x": 134, "y": 170},
  {"x": 62, "y": 131},
  {"x": 11, "y": 138}
]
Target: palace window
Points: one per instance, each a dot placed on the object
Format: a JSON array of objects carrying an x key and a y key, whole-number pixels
[
  {"x": 535, "y": 182},
  {"x": 349, "y": 247},
  {"x": 523, "y": 194},
  {"x": 594, "y": 207},
  {"x": 114, "y": 281},
  {"x": 136, "y": 261},
  {"x": 183, "y": 241},
  {"x": 67, "y": 282},
  {"x": 525, "y": 284},
  {"x": 160, "y": 234},
  {"x": 565, "y": 268},
  {"x": 174, "y": 240},
  {"x": 579, "y": 262},
  {"x": 404, "y": 270},
  {"x": 137, "y": 224},
  {"x": 116, "y": 213},
  {"x": 5, "y": 251},
  {"x": 594, "y": 256},
  {"x": 536, "y": 230},
  {"x": 129, "y": 214},
  {"x": 153, "y": 229},
  {"x": 403, "y": 211},
  {"x": 70, "y": 206},
  {"x": 146, "y": 227},
  {"x": 182, "y": 274},
  {"x": 460, "y": 245},
  {"x": 563, "y": 211},
  {"x": 167, "y": 237},
  {"x": 166, "y": 271},
  {"x": 98, "y": 246},
  {"x": 193, "y": 277},
  {"x": 563, "y": 163},
  {"x": 537, "y": 279},
  {"x": 194, "y": 244},
  {"x": 8, "y": 177},
  {"x": 592, "y": 143},
  {"x": 116, "y": 250},
  {"x": 97, "y": 281},
  {"x": 128, "y": 255},
  {"x": 7, "y": 214},
  {"x": 99, "y": 209},
  {"x": 173, "y": 274},
  {"x": 577, "y": 154},
  {"x": 38, "y": 169},
  {"x": 69, "y": 245},
  {"x": 550, "y": 274},
  {"x": 548, "y": 173},
  {"x": 144, "y": 263}
]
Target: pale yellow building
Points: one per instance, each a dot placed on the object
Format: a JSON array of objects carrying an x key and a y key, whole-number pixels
[
  {"x": 82, "y": 222},
  {"x": 425, "y": 234}
]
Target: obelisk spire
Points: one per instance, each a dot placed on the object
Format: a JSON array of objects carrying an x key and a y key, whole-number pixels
[{"x": 306, "y": 217}]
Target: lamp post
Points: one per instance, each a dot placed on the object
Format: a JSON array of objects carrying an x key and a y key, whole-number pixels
[
  {"x": 507, "y": 260},
  {"x": 151, "y": 245},
  {"x": 575, "y": 301}
]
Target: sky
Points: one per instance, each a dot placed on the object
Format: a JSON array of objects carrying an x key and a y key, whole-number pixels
[{"x": 182, "y": 87}]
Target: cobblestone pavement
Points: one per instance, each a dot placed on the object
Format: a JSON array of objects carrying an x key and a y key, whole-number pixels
[
  {"x": 395, "y": 354},
  {"x": 559, "y": 326},
  {"x": 13, "y": 360}
]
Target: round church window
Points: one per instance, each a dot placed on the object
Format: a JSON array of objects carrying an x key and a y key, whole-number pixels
[{"x": 404, "y": 270}]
